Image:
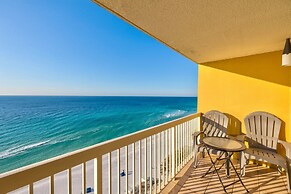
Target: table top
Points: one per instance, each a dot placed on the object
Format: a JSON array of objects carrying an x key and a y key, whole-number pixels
[{"x": 224, "y": 144}]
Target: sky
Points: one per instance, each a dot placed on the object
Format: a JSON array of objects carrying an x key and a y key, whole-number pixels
[{"x": 75, "y": 47}]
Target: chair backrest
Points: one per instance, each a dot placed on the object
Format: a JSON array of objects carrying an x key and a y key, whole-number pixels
[
  {"x": 214, "y": 123},
  {"x": 262, "y": 129}
]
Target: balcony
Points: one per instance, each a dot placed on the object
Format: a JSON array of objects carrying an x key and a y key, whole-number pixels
[
  {"x": 258, "y": 179},
  {"x": 239, "y": 56},
  {"x": 155, "y": 160},
  {"x": 141, "y": 162}
]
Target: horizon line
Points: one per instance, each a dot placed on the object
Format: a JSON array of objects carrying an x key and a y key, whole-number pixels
[{"x": 40, "y": 95}]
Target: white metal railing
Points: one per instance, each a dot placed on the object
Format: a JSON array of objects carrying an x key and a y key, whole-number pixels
[{"x": 141, "y": 162}]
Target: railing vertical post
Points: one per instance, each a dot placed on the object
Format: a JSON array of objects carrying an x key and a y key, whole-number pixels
[
  {"x": 133, "y": 167},
  {"x": 52, "y": 185},
  {"x": 126, "y": 169},
  {"x": 156, "y": 162},
  {"x": 186, "y": 142},
  {"x": 139, "y": 165},
  {"x": 163, "y": 157},
  {"x": 95, "y": 174},
  {"x": 154, "y": 175},
  {"x": 170, "y": 153},
  {"x": 84, "y": 177},
  {"x": 176, "y": 149},
  {"x": 173, "y": 151},
  {"x": 150, "y": 164},
  {"x": 183, "y": 144},
  {"x": 200, "y": 123},
  {"x": 118, "y": 171},
  {"x": 109, "y": 173},
  {"x": 99, "y": 175},
  {"x": 145, "y": 166},
  {"x": 166, "y": 151},
  {"x": 31, "y": 188},
  {"x": 70, "y": 180},
  {"x": 189, "y": 139},
  {"x": 159, "y": 160}
]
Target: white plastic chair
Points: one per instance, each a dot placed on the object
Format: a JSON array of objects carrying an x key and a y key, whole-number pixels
[
  {"x": 262, "y": 133},
  {"x": 214, "y": 123}
]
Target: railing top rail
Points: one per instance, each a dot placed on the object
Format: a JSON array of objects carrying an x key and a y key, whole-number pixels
[{"x": 46, "y": 168}]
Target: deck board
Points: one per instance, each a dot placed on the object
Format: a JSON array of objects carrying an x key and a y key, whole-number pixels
[{"x": 258, "y": 180}]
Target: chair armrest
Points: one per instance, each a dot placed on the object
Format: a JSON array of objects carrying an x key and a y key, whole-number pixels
[
  {"x": 196, "y": 135},
  {"x": 241, "y": 138},
  {"x": 287, "y": 147},
  {"x": 231, "y": 137}
]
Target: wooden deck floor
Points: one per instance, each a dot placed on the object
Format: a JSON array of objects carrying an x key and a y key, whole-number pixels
[{"x": 258, "y": 179}]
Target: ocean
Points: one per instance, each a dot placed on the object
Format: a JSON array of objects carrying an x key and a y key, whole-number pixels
[{"x": 35, "y": 128}]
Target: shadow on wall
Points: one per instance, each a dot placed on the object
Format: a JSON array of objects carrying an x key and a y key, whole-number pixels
[
  {"x": 282, "y": 135},
  {"x": 234, "y": 125},
  {"x": 264, "y": 67}
]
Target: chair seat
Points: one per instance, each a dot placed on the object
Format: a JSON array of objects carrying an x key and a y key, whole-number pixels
[{"x": 266, "y": 156}]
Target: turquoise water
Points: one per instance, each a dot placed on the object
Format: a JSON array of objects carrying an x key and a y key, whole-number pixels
[{"x": 37, "y": 128}]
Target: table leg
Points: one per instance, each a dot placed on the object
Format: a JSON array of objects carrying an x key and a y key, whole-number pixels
[
  {"x": 227, "y": 162},
  {"x": 227, "y": 165},
  {"x": 238, "y": 175},
  {"x": 213, "y": 163},
  {"x": 217, "y": 159}
]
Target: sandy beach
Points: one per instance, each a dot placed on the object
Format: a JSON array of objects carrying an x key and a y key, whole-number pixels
[{"x": 61, "y": 179}]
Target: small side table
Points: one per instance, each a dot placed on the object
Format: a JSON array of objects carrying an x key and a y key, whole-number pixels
[{"x": 226, "y": 147}]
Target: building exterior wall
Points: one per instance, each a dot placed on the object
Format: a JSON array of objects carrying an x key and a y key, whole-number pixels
[{"x": 243, "y": 85}]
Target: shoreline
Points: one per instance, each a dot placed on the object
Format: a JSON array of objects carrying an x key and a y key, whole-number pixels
[{"x": 61, "y": 179}]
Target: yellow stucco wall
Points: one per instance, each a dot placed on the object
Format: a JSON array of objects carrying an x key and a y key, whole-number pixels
[{"x": 242, "y": 85}]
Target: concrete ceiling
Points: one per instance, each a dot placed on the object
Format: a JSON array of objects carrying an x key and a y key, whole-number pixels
[{"x": 210, "y": 30}]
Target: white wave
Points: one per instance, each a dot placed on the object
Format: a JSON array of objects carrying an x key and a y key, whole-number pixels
[
  {"x": 19, "y": 149},
  {"x": 174, "y": 113},
  {"x": 64, "y": 140}
]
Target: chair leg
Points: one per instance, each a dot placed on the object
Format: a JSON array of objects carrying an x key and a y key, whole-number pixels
[
  {"x": 243, "y": 162},
  {"x": 288, "y": 182},
  {"x": 195, "y": 154},
  {"x": 227, "y": 167},
  {"x": 288, "y": 174}
]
